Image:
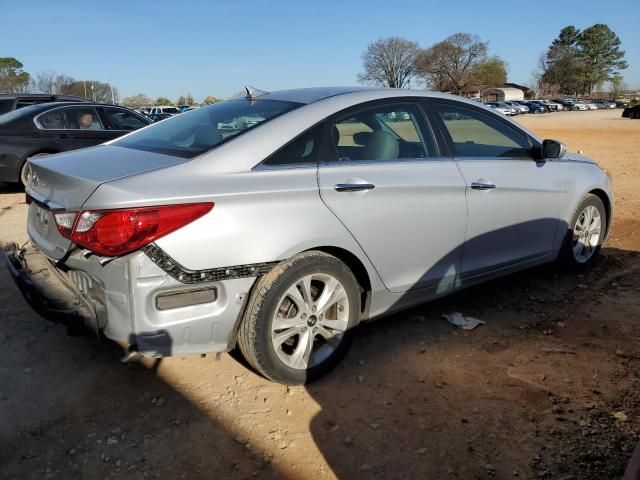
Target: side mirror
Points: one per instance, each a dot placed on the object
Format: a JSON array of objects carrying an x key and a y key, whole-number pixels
[{"x": 553, "y": 149}]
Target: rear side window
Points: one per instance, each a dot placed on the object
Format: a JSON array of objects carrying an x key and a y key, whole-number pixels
[
  {"x": 303, "y": 150},
  {"x": 51, "y": 120},
  {"x": 193, "y": 133},
  {"x": 70, "y": 118},
  {"x": 477, "y": 134}
]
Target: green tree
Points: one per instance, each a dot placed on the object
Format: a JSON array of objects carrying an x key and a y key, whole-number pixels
[
  {"x": 209, "y": 100},
  {"x": 601, "y": 54},
  {"x": 389, "y": 62},
  {"x": 568, "y": 37},
  {"x": 491, "y": 71},
  {"x": 576, "y": 62},
  {"x": 163, "y": 101},
  {"x": 12, "y": 77}
]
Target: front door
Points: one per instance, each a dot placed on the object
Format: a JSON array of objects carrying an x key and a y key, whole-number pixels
[
  {"x": 384, "y": 178},
  {"x": 514, "y": 201}
]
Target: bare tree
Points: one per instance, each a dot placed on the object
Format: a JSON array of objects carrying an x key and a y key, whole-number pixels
[
  {"x": 137, "y": 101},
  {"x": 449, "y": 65},
  {"x": 46, "y": 82},
  {"x": 389, "y": 62}
]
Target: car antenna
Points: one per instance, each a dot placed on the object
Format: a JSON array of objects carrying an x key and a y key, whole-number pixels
[{"x": 253, "y": 92}]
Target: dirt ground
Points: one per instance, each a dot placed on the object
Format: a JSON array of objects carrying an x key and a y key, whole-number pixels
[{"x": 531, "y": 394}]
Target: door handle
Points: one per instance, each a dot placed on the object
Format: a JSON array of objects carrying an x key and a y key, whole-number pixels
[
  {"x": 354, "y": 187},
  {"x": 482, "y": 185}
]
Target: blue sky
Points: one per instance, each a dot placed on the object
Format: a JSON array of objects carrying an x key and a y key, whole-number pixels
[{"x": 166, "y": 47}]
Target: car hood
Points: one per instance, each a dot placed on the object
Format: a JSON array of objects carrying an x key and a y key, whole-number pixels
[
  {"x": 66, "y": 180},
  {"x": 576, "y": 157}
]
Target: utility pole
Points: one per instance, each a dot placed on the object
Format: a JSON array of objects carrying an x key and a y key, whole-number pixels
[{"x": 113, "y": 102}]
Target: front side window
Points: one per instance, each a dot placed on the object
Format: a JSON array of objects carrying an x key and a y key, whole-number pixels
[
  {"x": 70, "y": 118},
  {"x": 477, "y": 134},
  {"x": 193, "y": 133},
  {"x": 123, "y": 120},
  {"x": 383, "y": 133}
]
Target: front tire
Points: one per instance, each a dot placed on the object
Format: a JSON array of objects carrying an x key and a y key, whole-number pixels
[
  {"x": 585, "y": 233},
  {"x": 299, "y": 320}
]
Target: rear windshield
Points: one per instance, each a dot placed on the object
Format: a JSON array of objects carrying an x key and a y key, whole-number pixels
[{"x": 193, "y": 133}]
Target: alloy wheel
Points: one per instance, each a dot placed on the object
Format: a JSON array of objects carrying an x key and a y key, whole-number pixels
[
  {"x": 310, "y": 321},
  {"x": 586, "y": 234}
]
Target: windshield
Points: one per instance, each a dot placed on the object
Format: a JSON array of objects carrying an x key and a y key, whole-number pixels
[
  {"x": 198, "y": 131},
  {"x": 13, "y": 114}
]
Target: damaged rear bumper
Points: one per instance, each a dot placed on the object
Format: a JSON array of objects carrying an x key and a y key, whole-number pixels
[{"x": 48, "y": 292}]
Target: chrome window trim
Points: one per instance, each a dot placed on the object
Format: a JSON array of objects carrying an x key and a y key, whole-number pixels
[
  {"x": 335, "y": 163},
  {"x": 39, "y": 127},
  {"x": 261, "y": 167}
]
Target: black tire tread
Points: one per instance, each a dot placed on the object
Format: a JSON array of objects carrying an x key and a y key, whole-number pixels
[{"x": 248, "y": 332}]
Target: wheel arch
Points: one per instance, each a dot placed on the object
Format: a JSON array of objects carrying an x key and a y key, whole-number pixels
[
  {"x": 602, "y": 195},
  {"x": 357, "y": 268},
  {"x": 352, "y": 262}
]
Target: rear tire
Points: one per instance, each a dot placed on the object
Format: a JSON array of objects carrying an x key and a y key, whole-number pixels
[
  {"x": 299, "y": 320},
  {"x": 585, "y": 233}
]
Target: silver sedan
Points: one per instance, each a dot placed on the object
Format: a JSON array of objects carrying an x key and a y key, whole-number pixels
[{"x": 278, "y": 222}]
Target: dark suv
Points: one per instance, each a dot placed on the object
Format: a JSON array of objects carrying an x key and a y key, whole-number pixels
[{"x": 13, "y": 101}]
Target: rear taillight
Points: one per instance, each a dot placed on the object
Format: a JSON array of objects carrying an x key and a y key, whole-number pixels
[{"x": 117, "y": 232}]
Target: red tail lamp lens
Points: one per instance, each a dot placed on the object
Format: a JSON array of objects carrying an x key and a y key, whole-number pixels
[{"x": 118, "y": 232}]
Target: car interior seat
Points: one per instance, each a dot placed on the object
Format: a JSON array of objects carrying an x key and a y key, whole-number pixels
[{"x": 381, "y": 145}]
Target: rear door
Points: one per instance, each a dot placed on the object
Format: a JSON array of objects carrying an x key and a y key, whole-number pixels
[
  {"x": 74, "y": 127},
  {"x": 513, "y": 200},
  {"x": 382, "y": 175}
]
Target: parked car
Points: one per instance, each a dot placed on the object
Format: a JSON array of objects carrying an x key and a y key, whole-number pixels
[
  {"x": 164, "y": 109},
  {"x": 156, "y": 117},
  {"x": 13, "y": 101},
  {"x": 632, "y": 112},
  {"x": 535, "y": 107},
  {"x": 621, "y": 104},
  {"x": 551, "y": 106},
  {"x": 592, "y": 106},
  {"x": 520, "y": 108},
  {"x": 502, "y": 108},
  {"x": 47, "y": 128},
  {"x": 580, "y": 106},
  {"x": 282, "y": 237}
]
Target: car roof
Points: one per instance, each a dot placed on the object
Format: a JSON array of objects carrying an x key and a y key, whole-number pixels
[
  {"x": 32, "y": 110},
  {"x": 42, "y": 95},
  {"x": 316, "y": 94}
]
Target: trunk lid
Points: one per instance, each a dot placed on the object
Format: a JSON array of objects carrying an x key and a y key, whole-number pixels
[{"x": 65, "y": 181}]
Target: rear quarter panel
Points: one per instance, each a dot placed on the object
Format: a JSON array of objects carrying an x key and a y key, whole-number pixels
[{"x": 259, "y": 216}]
